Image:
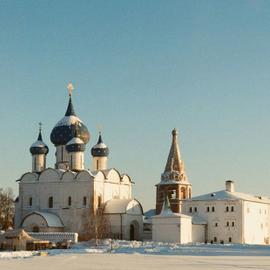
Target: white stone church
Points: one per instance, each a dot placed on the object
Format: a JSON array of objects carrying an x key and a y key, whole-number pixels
[
  {"x": 66, "y": 197},
  {"x": 224, "y": 216}
]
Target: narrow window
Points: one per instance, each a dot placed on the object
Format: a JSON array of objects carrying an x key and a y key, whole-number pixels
[
  {"x": 215, "y": 239},
  {"x": 35, "y": 163},
  {"x": 230, "y": 239},
  {"x": 30, "y": 201},
  {"x": 84, "y": 200},
  {"x": 99, "y": 201},
  {"x": 227, "y": 209},
  {"x": 233, "y": 224},
  {"x": 213, "y": 209},
  {"x": 195, "y": 209},
  {"x": 69, "y": 201},
  {"x": 216, "y": 224},
  {"x": 183, "y": 194},
  {"x": 232, "y": 209},
  {"x": 228, "y": 224},
  {"x": 97, "y": 164},
  {"x": 50, "y": 202},
  {"x": 208, "y": 209},
  {"x": 190, "y": 209}
]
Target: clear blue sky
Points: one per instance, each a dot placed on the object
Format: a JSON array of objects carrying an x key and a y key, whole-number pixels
[{"x": 141, "y": 68}]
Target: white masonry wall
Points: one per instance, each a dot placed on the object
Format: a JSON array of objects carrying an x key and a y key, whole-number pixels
[
  {"x": 172, "y": 229},
  {"x": 256, "y": 223},
  {"x": 222, "y": 226},
  {"x": 64, "y": 184}
]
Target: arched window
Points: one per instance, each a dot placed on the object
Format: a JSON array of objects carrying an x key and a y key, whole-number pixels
[
  {"x": 183, "y": 193},
  {"x": 69, "y": 201},
  {"x": 30, "y": 201},
  {"x": 71, "y": 161},
  {"x": 84, "y": 201},
  {"x": 99, "y": 201},
  {"x": 50, "y": 202}
]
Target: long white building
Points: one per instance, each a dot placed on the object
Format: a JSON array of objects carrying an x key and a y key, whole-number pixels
[{"x": 232, "y": 217}]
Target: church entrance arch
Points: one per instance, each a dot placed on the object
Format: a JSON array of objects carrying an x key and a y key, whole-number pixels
[
  {"x": 35, "y": 228},
  {"x": 134, "y": 230}
]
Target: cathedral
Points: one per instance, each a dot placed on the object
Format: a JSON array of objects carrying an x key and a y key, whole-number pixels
[{"x": 71, "y": 198}]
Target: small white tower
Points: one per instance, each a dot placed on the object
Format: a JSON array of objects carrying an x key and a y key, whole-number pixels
[
  {"x": 100, "y": 153},
  {"x": 75, "y": 148},
  {"x": 39, "y": 150}
]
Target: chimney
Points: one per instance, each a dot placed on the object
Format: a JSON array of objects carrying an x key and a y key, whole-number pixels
[{"x": 230, "y": 186}]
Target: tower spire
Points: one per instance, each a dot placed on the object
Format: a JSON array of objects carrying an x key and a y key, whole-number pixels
[
  {"x": 166, "y": 208},
  {"x": 174, "y": 181},
  {"x": 39, "y": 134},
  {"x": 174, "y": 162},
  {"x": 70, "y": 109}
]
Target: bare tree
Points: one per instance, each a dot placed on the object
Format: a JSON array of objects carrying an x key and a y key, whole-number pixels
[
  {"x": 96, "y": 225},
  {"x": 6, "y": 208}
]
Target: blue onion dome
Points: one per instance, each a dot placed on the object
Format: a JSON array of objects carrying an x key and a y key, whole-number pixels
[
  {"x": 64, "y": 130},
  {"x": 39, "y": 147},
  {"x": 75, "y": 144},
  {"x": 100, "y": 149}
]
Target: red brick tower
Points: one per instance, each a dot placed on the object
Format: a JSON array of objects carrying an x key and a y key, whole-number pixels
[{"x": 174, "y": 182}]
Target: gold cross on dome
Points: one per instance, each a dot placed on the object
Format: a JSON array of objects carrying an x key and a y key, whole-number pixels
[
  {"x": 40, "y": 126},
  {"x": 99, "y": 127},
  {"x": 70, "y": 88}
]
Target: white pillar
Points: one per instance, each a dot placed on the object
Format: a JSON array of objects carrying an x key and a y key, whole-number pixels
[
  {"x": 38, "y": 163},
  {"x": 76, "y": 161},
  {"x": 100, "y": 163},
  {"x": 62, "y": 157}
]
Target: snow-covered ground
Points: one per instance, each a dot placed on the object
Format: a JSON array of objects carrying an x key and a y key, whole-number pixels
[
  {"x": 149, "y": 248},
  {"x": 146, "y": 255}
]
